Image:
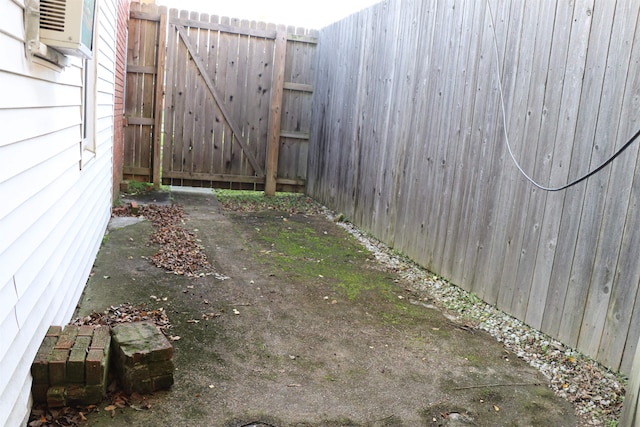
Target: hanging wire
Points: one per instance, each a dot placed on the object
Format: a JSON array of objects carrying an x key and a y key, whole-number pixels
[{"x": 506, "y": 136}]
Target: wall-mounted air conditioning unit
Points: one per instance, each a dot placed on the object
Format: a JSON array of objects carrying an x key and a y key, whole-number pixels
[{"x": 68, "y": 26}]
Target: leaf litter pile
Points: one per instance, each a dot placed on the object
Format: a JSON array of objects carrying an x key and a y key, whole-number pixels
[
  {"x": 180, "y": 251},
  {"x": 125, "y": 313},
  {"x": 255, "y": 201}
]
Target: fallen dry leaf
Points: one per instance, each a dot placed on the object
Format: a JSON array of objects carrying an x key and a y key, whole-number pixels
[{"x": 125, "y": 313}]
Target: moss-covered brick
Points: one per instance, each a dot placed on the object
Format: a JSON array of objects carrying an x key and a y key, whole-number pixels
[
  {"x": 86, "y": 331},
  {"x": 93, "y": 394},
  {"x": 67, "y": 337},
  {"x": 137, "y": 373},
  {"x": 57, "y": 397},
  {"x": 101, "y": 337},
  {"x": 74, "y": 362},
  {"x": 78, "y": 394},
  {"x": 93, "y": 363},
  {"x": 39, "y": 392},
  {"x": 162, "y": 382},
  {"x": 135, "y": 379},
  {"x": 75, "y": 394},
  {"x": 95, "y": 367},
  {"x": 75, "y": 365},
  {"x": 158, "y": 369},
  {"x": 58, "y": 366},
  {"x": 142, "y": 357},
  {"x": 54, "y": 331},
  {"x": 97, "y": 361},
  {"x": 144, "y": 386},
  {"x": 40, "y": 365},
  {"x": 141, "y": 343}
]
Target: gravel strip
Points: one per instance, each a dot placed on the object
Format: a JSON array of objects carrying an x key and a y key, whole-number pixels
[{"x": 596, "y": 392}]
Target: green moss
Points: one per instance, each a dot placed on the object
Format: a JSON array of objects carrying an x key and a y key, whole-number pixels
[
  {"x": 441, "y": 332},
  {"x": 297, "y": 248},
  {"x": 489, "y": 395},
  {"x": 544, "y": 392},
  {"x": 474, "y": 359}
]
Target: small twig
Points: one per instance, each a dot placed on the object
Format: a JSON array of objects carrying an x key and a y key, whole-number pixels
[
  {"x": 461, "y": 326},
  {"x": 496, "y": 385}
]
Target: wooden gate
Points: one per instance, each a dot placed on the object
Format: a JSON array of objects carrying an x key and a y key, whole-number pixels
[
  {"x": 237, "y": 104},
  {"x": 143, "y": 94}
]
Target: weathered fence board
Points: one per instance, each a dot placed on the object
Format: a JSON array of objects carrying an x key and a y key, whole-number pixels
[
  {"x": 544, "y": 168},
  {"x": 487, "y": 219},
  {"x": 409, "y": 143},
  {"x": 597, "y": 224},
  {"x": 141, "y": 99}
]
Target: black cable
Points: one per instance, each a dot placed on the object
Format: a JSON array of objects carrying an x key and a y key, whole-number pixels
[
  {"x": 599, "y": 168},
  {"x": 504, "y": 119}
]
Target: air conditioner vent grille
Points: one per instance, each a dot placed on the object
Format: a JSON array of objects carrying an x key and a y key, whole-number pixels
[{"x": 52, "y": 14}]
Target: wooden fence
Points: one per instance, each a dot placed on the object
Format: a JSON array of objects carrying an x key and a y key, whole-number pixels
[
  {"x": 408, "y": 141},
  {"x": 237, "y": 100},
  {"x": 143, "y": 95}
]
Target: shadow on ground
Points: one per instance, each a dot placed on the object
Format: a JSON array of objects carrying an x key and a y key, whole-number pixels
[{"x": 308, "y": 331}]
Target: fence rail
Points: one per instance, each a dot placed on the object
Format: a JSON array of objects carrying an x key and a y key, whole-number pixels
[{"x": 409, "y": 142}]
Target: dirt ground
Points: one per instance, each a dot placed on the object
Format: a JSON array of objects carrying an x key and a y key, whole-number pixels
[{"x": 307, "y": 331}]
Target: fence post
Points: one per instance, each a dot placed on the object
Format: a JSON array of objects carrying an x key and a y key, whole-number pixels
[
  {"x": 275, "y": 113},
  {"x": 159, "y": 94},
  {"x": 631, "y": 407}
]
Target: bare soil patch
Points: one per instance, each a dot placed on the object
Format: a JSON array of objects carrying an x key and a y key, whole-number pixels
[{"x": 308, "y": 330}]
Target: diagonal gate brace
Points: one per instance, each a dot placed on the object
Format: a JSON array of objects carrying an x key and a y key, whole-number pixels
[{"x": 236, "y": 131}]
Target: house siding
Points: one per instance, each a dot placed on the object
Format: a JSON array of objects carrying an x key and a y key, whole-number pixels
[{"x": 54, "y": 213}]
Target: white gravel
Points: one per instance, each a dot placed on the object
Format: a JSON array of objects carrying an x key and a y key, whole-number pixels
[{"x": 596, "y": 392}]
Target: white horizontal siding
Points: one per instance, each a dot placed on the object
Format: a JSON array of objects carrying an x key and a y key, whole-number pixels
[
  {"x": 33, "y": 219},
  {"x": 8, "y": 299},
  {"x": 40, "y": 149},
  {"x": 56, "y": 216},
  {"x": 8, "y": 321},
  {"x": 26, "y": 92},
  {"x": 29, "y": 123},
  {"x": 21, "y": 405},
  {"x": 17, "y": 363},
  {"x": 70, "y": 263},
  {"x": 11, "y": 20}
]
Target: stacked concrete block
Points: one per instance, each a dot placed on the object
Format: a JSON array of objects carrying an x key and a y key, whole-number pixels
[
  {"x": 71, "y": 366},
  {"x": 143, "y": 357}
]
